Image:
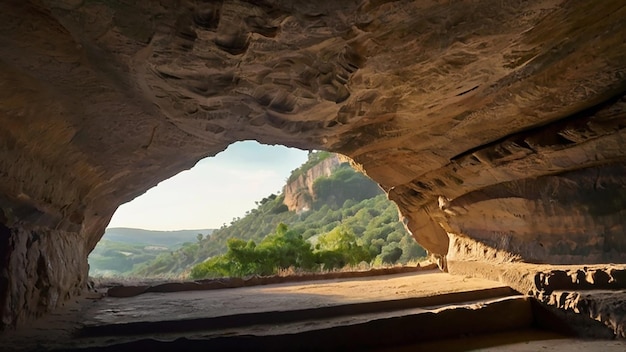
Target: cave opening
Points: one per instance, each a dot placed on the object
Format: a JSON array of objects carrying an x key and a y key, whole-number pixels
[
  {"x": 191, "y": 205},
  {"x": 306, "y": 212},
  {"x": 196, "y": 314}
]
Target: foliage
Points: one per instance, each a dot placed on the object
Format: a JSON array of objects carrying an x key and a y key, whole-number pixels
[
  {"x": 368, "y": 231},
  {"x": 313, "y": 159},
  {"x": 339, "y": 248},
  {"x": 111, "y": 258},
  {"x": 345, "y": 184},
  {"x": 254, "y": 226},
  {"x": 281, "y": 250},
  {"x": 350, "y": 222},
  {"x": 121, "y": 249}
]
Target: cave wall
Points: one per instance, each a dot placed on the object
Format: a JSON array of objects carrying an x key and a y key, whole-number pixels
[
  {"x": 52, "y": 269},
  {"x": 556, "y": 184},
  {"x": 496, "y": 126},
  {"x": 570, "y": 218}
]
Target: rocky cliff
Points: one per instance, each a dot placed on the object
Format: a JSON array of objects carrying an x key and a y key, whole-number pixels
[
  {"x": 299, "y": 194},
  {"x": 496, "y": 126}
]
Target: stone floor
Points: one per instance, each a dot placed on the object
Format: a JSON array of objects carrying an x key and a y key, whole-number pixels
[
  {"x": 338, "y": 312},
  {"x": 315, "y": 294}
]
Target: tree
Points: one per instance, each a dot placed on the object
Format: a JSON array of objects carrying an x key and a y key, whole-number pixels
[
  {"x": 281, "y": 249},
  {"x": 410, "y": 249},
  {"x": 339, "y": 247},
  {"x": 391, "y": 253}
]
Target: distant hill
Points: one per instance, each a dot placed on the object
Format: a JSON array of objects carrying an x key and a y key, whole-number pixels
[
  {"x": 151, "y": 237},
  {"x": 121, "y": 248}
]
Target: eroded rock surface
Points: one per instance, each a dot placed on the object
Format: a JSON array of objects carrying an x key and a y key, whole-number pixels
[
  {"x": 589, "y": 299},
  {"x": 299, "y": 193},
  {"x": 496, "y": 126}
]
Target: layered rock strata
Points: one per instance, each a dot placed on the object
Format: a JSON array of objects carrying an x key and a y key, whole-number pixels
[
  {"x": 588, "y": 299},
  {"x": 496, "y": 126},
  {"x": 299, "y": 194}
]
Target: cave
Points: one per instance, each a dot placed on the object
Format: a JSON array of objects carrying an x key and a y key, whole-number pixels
[{"x": 497, "y": 127}]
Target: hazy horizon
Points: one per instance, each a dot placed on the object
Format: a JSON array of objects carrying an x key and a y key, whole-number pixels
[
  {"x": 138, "y": 228},
  {"x": 214, "y": 191}
]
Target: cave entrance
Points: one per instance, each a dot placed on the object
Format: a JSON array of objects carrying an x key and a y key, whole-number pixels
[
  {"x": 307, "y": 212},
  {"x": 332, "y": 310},
  {"x": 332, "y": 302},
  {"x": 189, "y": 206}
]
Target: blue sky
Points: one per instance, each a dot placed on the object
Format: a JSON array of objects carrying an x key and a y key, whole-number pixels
[{"x": 214, "y": 191}]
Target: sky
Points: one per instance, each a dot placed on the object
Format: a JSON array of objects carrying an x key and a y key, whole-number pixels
[{"x": 214, "y": 191}]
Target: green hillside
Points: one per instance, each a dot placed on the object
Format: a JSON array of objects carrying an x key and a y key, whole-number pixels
[
  {"x": 163, "y": 238},
  {"x": 347, "y": 202},
  {"x": 122, "y": 248}
]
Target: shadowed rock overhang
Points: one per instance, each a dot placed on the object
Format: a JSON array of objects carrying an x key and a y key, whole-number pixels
[{"x": 496, "y": 126}]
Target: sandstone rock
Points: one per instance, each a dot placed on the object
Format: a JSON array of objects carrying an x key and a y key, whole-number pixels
[
  {"x": 618, "y": 277},
  {"x": 608, "y": 307},
  {"x": 599, "y": 278},
  {"x": 299, "y": 194},
  {"x": 582, "y": 279},
  {"x": 126, "y": 291},
  {"x": 513, "y": 112},
  {"x": 556, "y": 280},
  {"x": 592, "y": 310}
]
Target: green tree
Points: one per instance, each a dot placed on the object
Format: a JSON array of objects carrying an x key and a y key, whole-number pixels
[
  {"x": 281, "y": 249},
  {"x": 391, "y": 253},
  {"x": 410, "y": 249},
  {"x": 339, "y": 247}
]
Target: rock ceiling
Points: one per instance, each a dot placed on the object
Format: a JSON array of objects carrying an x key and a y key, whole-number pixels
[{"x": 496, "y": 126}]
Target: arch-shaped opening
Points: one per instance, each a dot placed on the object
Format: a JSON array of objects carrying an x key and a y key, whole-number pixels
[
  {"x": 194, "y": 202},
  {"x": 255, "y": 209}
]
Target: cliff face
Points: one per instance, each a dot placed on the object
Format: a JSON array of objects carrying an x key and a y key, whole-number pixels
[
  {"x": 299, "y": 194},
  {"x": 496, "y": 126}
]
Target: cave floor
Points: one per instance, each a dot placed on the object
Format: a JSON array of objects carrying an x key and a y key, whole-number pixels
[
  {"x": 287, "y": 297},
  {"x": 336, "y": 314}
]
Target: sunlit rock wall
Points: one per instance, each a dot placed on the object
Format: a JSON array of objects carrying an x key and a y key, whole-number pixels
[
  {"x": 299, "y": 193},
  {"x": 496, "y": 126},
  {"x": 569, "y": 218}
]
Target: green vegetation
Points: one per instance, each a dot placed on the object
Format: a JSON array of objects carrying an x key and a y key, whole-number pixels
[
  {"x": 314, "y": 159},
  {"x": 253, "y": 226},
  {"x": 351, "y": 221},
  {"x": 115, "y": 258},
  {"x": 344, "y": 184},
  {"x": 281, "y": 250},
  {"x": 325, "y": 238},
  {"x": 122, "y": 248}
]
